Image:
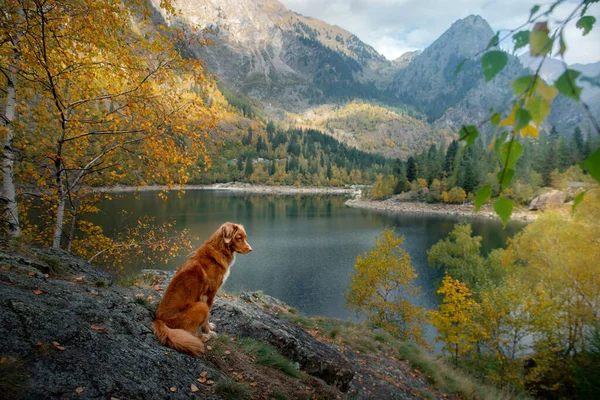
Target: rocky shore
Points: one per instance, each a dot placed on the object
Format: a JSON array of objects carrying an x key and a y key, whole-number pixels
[
  {"x": 357, "y": 201},
  {"x": 240, "y": 187},
  {"x": 422, "y": 208},
  {"x": 70, "y": 331}
]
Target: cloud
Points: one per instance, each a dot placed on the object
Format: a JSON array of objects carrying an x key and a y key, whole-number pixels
[{"x": 395, "y": 26}]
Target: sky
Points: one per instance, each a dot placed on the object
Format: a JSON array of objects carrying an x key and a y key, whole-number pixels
[{"x": 393, "y": 27}]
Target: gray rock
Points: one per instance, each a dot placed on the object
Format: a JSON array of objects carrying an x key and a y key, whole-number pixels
[
  {"x": 247, "y": 319},
  {"x": 552, "y": 199},
  {"x": 119, "y": 358}
]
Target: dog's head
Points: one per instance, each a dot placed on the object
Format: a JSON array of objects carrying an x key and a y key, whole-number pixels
[{"x": 234, "y": 236}]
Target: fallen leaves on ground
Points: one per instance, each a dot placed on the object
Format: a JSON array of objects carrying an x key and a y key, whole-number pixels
[
  {"x": 37, "y": 291},
  {"x": 58, "y": 346},
  {"x": 99, "y": 328}
]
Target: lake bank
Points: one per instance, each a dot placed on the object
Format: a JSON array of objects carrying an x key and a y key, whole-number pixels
[
  {"x": 357, "y": 201},
  {"x": 416, "y": 208},
  {"x": 239, "y": 187}
]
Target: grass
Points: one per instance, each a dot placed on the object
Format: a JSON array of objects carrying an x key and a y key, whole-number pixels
[
  {"x": 278, "y": 395},
  {"x": 233, "y": 390},
  {"x": 441, "y": 375},
  {"x": 147, "y": 279},
  {"x": 268, "y": 355},
  {"x": 56, "y": 268},
  {"x": 13, "y": 377},
  {"x": 141, "y": 301}
]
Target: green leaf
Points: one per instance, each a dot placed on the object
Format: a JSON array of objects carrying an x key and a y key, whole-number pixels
[
  {"x": 469, "y": 134},
  {"x": 482, "y": 196},
  {"x": 538, "y": 109},
  {"x": 522, "y": 118},
  {"x": 504, "y": 208},
  {"x": 592, "y": 165},
  {"x": 459, "y": 67},
  {"x": 505, "y": 177},
  {"x": 540, "y": 43},
  {"x": 495, "y": 119},
  {"x": 510, "y": 152},
  {"x": 534, "y": 9},
  {"x": 494, "y": 41},
  {"x": 500, "y": 141},
  {"x": 578, "y": 199},
  {"x": 520, "y": 85},
  {"x": 493, "y": 62},
  {"x": 563, "y": 45},
  {"x": 521, "y": 39},
  {"x": 567, "y": 85},
  {"x": 586, "y": 24}
]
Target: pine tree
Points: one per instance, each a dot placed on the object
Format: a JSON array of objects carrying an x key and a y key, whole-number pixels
[
  {"x": 411, "y": 169},
  {"x": 240, "y": 163},
  {"x": 249, "y": 166},
  {"x": 450, "y": 157}
]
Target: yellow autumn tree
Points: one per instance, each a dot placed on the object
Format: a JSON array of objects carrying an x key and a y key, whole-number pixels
[
  {"x": 107, "y": 99},
  {"x": 381, "y": 288},
  {"x": 384, "y": 186},
  {"x": 455, "y": 318}
]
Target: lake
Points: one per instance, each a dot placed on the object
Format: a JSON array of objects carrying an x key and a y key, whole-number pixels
[{"x": 304, "y": 247}]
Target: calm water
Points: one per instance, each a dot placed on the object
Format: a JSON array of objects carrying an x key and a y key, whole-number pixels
[{"x": 304, "y": 246}]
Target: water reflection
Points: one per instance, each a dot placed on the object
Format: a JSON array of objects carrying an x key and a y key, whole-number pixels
[{"x": 304, "y": 246}]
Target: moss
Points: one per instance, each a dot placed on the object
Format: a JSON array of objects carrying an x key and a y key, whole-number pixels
[
  {"x": 232, "y": 390},
  {"x": 13, "y": 377},
  {"x": 55, "y": 267},
  {"x": 269, "y": 356}
]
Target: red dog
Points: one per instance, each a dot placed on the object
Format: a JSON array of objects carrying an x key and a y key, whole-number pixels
[{"x": 190, "y": 295}]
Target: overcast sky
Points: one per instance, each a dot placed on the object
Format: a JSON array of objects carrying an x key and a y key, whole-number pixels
[{"x": 396, "y": 26}]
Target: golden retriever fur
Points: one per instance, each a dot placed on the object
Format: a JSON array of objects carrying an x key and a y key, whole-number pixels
[{"x": 186, "y": 304}]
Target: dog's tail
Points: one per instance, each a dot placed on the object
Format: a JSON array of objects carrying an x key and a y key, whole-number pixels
[{"x": 178, "y": 339}]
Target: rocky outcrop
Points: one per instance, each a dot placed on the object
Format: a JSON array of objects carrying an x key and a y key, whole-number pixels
[
  {"x": 552, "y": 199},
  {"x": 85, "y": 337},
  {"x": 245, "y": 318},
  {"x": 67, "y": 331}
]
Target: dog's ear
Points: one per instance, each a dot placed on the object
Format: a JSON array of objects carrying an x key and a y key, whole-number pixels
[{"x": 229, "y": 230}]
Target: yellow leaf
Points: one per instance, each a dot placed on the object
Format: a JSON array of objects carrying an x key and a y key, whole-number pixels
[
  {"x": 510, "y": 120},
  {"x": 529, "y": 130}
]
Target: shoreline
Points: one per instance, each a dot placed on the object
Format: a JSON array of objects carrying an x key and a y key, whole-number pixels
[
  {"x": 238, "y": 187},
  {"x": 416, "y": 208},
  {"x": 357, "y": 201}
]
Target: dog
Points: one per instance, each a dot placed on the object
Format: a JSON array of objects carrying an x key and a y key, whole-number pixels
[{"x": 189, "y": 297}]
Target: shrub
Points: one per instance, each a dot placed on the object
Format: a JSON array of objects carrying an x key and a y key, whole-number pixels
[{"x": 456, "y": 195}]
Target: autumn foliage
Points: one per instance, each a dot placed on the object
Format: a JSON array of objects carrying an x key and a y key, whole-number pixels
[
  {"x": 102, "y": 98},
  {"x": 528, "y": 318},
  {"x": 382, "y": 286}
]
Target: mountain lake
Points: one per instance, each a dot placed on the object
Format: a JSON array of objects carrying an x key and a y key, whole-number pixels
[{"x": 304, "y": 246}]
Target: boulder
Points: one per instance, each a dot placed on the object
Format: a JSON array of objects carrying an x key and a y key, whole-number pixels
[
  {"x": 74, "y": 339},
  {"x": 245, "y": 318},
  {"x": 552, "y": 199}
]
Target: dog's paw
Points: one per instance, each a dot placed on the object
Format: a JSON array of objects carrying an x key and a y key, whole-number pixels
[
  {"x": 212, "y": 326},
  {"x": 207, "y": 336}
]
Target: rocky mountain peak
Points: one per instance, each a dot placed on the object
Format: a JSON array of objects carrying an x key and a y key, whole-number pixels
[
  {"x": 466, "y": 37},
  {"x": 406, "y": 58}
]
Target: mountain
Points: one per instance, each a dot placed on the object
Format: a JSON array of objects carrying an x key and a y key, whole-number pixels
[
  {"x": 406, "y": 58},
  {"x": 263, "y": 50},
  {"x": 552, "y": 68},
  {"x": 430, "y": 84},
  {"x": 298, "y": 67}
]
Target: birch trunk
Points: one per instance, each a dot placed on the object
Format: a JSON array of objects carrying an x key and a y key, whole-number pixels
[{"x": 9, "y": 195}]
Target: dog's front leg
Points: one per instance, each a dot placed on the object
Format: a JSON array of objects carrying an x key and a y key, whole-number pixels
[{"x": 206, "y": 327}]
